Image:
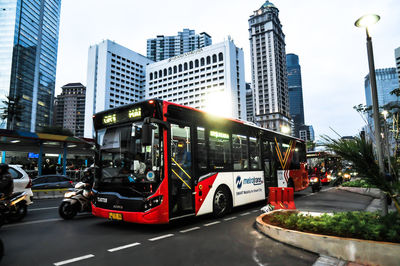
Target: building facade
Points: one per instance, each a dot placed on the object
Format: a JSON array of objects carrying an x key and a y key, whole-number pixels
[
  {"x": 210, "y": 79},
  {"x": 295, "y": 92},
  {"x": 306, "y": 133},
  {"x": 386, "y": 81},
  {"x": 28, "y": 58},
  {"x": 268, "y": 65},
  {"x": 164, "y": 47},
  {"x": 397, "y": 58},
  {"x": 69, "y": 108},
  {"x": 115, "y": 77},
  {"x": 249, "y": 103}
]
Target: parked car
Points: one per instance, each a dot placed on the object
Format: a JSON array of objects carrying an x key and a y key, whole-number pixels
[
  {"x": 22, "y": 182},
  {"x": 52, "y": 182}
]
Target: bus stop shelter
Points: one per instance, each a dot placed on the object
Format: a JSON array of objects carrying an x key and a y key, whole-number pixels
[{"x": 41, "y": 143}]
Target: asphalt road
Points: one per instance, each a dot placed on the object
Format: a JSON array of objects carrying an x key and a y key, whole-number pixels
[{"x": 42, "y": 238}]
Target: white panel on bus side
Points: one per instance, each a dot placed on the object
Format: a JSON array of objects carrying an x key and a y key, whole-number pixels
[
  {"x": 225, "y": 178},
  {"x": 249, "y": 187}
]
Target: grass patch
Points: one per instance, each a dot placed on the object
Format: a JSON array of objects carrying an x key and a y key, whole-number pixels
[
  {"x": 358, "y": 183},
  {"x": 361, "y": 225}
]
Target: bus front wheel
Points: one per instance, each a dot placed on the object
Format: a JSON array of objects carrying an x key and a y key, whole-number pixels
[{"x": 222, "y": 202}]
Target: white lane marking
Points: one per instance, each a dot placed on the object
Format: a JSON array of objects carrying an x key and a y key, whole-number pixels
[
  {"x": 255, "y": 211},
  {"x": 160, "y": 237},
  {"x": 230, "y": 218},
  {"x": 217, "y": 222},
  {"x": 123, "y": 247},
  {"x": 34, "y": 222},
  {"x": 190, "y": 229},
  {"x": 246, "y": 213},
  {"x": 74, "y": 260},
  {"x": 42, "y": 209}
]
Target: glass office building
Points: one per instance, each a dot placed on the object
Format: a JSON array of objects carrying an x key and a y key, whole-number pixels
[{"x": 28, "y": 58}]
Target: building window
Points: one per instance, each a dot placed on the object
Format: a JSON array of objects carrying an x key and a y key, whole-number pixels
[
  {"x": 220, "y": 57},
  {"x": 180, "y": 68},
  {"x": 185, "y": 66},
  {"x": 208, "y": 60},
  {"x": 196, "y": 63},
  {"x": 214, "y": 58},
  {"x": 191, "y": 65},
  {"x": 202, "y": 61}
]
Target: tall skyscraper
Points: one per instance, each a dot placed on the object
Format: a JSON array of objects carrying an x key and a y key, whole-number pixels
[
  {"x": 268, "y": 65},
  {"x": 397, "y": 58},
  {"x": 210, "y": 79},
  {"x": 69, "y": 108},
  {"x": 115, "y": 76},
  {"x": 249, "y": 103},
  {"x": 28, "y": 58},
  {"x": 295, "y": 92},
  {"x": 386, "y": 81},
  {"x": 164, "y": 47}
]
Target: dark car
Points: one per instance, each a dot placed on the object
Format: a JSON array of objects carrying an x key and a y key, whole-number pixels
[{"x": 52, "y": 182}]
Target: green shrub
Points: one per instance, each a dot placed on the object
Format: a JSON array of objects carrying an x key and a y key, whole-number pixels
[
  {"x": 361, "y": 225},
  {"x": 358, "y": 183}
]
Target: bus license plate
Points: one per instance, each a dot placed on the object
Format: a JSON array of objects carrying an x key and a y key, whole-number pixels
[{"x": 115, "y": 216}]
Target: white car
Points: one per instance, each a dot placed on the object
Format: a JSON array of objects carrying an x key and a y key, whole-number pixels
[{"x": 22, "y": 182}]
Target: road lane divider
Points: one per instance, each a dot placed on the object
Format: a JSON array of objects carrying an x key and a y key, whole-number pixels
[
  {"x": 246, "y": 213},
  {"x": 209, "y": 224},
  {"x": 230, "y": 218},
  {"x": 123, "y": 247},
  {"x": 42, "y": 209},
  {"x": 74, "y": 260},
  {"x": 33, "y": 222},
  {"x": 190, "y": 229},
  {"x": 160, "y": 237}
]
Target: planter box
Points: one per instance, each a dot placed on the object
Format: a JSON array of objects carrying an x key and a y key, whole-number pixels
[{"x": 350, "y": 249}]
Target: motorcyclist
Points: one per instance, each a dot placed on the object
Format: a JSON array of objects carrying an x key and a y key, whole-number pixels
[
  {"x": 88, "y": 177},
  {"x": 6, "y": 181}
]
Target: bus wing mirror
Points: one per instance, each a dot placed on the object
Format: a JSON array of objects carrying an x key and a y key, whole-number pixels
[{"x": 147, "y": 130}]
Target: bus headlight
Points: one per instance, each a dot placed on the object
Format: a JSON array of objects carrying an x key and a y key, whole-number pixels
[{"x": 152, "y": 202}]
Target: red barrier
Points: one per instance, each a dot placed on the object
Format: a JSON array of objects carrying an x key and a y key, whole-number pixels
[{"x": 281, "y": 198}]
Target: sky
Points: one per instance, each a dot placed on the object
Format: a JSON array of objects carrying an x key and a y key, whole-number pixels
[{"x": 331, "y": 50}]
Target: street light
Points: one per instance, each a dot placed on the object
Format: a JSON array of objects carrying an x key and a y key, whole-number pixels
[{"x": 364, "y": 22}]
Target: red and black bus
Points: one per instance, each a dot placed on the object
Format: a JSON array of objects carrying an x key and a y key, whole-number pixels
[{"x": 157, "y": 161}]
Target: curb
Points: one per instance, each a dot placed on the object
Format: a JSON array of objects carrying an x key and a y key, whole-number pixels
[
  {"x": 349, "y": 249},
  {"x": 372, "y": 192}
]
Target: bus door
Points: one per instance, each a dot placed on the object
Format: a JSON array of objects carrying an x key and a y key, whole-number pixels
[
  {"x": 181, "y": 171},
  {"x": 268, "y": 164}
]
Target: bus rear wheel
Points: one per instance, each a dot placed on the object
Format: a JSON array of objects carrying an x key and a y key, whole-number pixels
[{"x": 222, "y": 202}]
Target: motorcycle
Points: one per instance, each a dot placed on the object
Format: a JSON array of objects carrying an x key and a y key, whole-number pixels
[
  {"x": 14, "y": 207},
  {"x": 77, "y": 200},
  {"x": 315, "y": 183}
]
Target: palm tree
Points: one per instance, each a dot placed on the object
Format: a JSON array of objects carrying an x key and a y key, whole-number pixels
[
  {"x": 360, "y": 152},
  {"x": 12, "y": 110}
]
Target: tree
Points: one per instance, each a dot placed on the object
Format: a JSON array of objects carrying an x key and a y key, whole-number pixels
[
  {"x": 12, "y": 110},
  {"x": 360, "y": 152}
]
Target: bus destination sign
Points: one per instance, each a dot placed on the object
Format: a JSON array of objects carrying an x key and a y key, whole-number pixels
[{"x": 132, "y": 114}]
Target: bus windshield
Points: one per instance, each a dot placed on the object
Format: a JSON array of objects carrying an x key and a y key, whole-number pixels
[{"x": 129, "y": 167}]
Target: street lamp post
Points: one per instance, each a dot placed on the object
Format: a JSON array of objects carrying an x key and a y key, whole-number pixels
[
  {"x": 364, "y": 22},
  {"x": 386, "y": 134}
]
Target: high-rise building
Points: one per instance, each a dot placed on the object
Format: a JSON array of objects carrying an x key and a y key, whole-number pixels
[
  {"x": 386, "y": 81},
  {"x": 397, "y": 58},
  {"x": 249, "y": 103},
  {"x": 115, "y": 76},
  {"x": 306, "y": 133},
  {"x": 28, "y": 58},
  {"x": 210, "y": 79},
  {"x": 164, "y": 47},
  {"x": 268, "y": 65},
  {"x": 69, "y": 108},
  {"x": 295, "y": 92}
]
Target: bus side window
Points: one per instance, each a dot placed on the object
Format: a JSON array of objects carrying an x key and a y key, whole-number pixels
[
  {"x": 201, "y": 150},
  {"x": 220, "y": 151},
  {"x": 255, "y": 160},
  {"x": 240, "y": 152}
]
